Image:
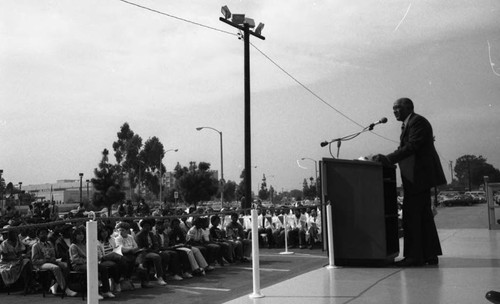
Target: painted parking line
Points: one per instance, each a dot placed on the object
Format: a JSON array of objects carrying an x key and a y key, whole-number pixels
[
  {"x": 199, "y": 288},
  {"x": 188, "y": 291},
  {"x": 262, "y": 269},
  {"x": 296, "y": 255}
]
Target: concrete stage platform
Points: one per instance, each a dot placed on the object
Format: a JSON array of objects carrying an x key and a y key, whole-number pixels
[{"x": 468, "y": 269}]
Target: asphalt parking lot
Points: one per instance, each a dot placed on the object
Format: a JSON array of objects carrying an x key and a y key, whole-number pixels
[{"x": 223, "y": 284}]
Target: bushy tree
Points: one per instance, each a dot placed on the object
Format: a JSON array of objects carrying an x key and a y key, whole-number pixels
[
  {"x": 151, "y": 156},
  {"x": 470, "y": 171},
  {"x": 107, "y": 184},
  {"x": 196, "y": 183},
  {"x": 229, "y": 191},
  {"x": 127, "y": 148},
  {"x": 297, "y": 194},
  {"x": 263, "y": 191},
  {"x": 309, "y": 190},
  {"x": 241, "y": 189}
]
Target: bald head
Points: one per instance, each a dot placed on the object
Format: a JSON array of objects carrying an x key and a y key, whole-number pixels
[{"x": 402, "y": 108}]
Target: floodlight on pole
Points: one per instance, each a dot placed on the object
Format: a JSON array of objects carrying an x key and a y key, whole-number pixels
[
  {"x": 225, "y": 12},
  {"x": 241, "y": 23}
]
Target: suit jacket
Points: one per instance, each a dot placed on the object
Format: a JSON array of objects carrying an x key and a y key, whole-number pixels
[{"x": 417, "y": 157}]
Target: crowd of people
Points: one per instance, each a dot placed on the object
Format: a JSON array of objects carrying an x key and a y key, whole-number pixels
[{"x": 146, "y": 246}]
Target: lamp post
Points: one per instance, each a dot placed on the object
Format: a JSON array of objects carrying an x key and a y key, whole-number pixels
[
  {"x": 243, "y": 24},
  {"x": 1, "y": 191},
  {"x": 81, "y": 175},
  {"x": 159, "y": 170},
  {"x": 221, "y": 161},
  {"x": 88, "y": 196},
  {"x": 316, "y": 170},
  {"x": 20, "y": 194}
]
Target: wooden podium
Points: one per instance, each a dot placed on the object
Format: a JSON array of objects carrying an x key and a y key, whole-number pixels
[{"x": 365, "y": 214}]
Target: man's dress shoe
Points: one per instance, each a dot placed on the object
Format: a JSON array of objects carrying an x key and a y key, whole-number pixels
[
  {"x": 408, "y": 262},
  {"x": 493, "y": 296},
  {"x": 433, "y": 261}
]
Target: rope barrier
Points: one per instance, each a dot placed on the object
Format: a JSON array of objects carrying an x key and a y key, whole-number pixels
[{"x": 75, "y": 220}]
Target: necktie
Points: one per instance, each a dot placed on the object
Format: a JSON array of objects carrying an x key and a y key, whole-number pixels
[{"x": 402, "y": 127}]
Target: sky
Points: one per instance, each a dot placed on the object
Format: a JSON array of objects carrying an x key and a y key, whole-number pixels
[{"x": 72, "y": 72}]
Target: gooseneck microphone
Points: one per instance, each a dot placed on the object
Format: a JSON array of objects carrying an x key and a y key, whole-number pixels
[
  {"x": 381, "y": 121},
  {"x": 325, "y": 143}
]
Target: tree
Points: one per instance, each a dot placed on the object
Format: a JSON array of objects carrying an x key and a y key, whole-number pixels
[
  {"x": 127, "y": 149},
  {"x": 470, "y": 171},
  {"x": 229, "y": 191},
  {"x": 240, "y": 191},
  {"x": 309, "y": 190},
  {"x": 263, "y": 192},
  {"x": 297, "y": 194},
  {"x": 151, "y": 156},
  {"x": 196, "y": 183},
  {"x": 107, "y": 183}
]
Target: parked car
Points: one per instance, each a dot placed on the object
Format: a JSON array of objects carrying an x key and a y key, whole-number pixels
[
  {"x": 460, "y": 199},
  {"x": 478, "y": 196},
  {"x": 444, "y": 196}
]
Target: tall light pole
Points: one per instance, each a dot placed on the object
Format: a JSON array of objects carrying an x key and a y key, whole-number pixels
[
  {"x": 160, "y": 179},
  {"x": 88, "y": 196},
  {"x": 81, "y": 175},
  {"x": 20, "y": 194},
  {"x": 243, "y": 24},
  {"x": 316, "y": 170},
  {"x": 221, "y": 161},
  {"x": 1, "y": 191}
]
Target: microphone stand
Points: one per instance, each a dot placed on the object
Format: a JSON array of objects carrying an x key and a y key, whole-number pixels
[{"x": 346, "y": 138}]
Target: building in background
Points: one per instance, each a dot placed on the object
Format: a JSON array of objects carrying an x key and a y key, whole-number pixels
[{"x": 64, "y": 191}]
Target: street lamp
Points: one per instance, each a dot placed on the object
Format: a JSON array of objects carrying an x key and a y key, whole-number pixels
[
  {"x": 88, "y": 197},
  {"x": 1, "y": 191},
  {"x": 81, "y": 175},
  {"x": 159, "y": 170},
  {"x": 316, "y": 169},
  {"x": 20, "y": 194},
  {"x": 244, "y": 24},
  {"x": 221, "y": 161}
]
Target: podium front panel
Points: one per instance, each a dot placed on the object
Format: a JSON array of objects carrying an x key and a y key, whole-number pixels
[{"x": 362, "y": 224}]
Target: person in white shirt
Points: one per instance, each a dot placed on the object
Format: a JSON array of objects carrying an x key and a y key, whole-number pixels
[{"x": 313, "y": 228}]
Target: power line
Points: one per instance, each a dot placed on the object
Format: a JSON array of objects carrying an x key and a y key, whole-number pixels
[
  {"x": 316, "y": 95},
  {"x": 266, "y": 56},
  {"x": 178, "y": 18}
]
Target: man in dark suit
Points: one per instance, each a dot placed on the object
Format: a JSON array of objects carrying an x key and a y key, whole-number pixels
[{"x": 420, "y": 171}]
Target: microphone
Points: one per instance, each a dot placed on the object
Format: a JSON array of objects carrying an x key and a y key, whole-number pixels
[
  {"x": 325, "y": 143},
  {"x": 381, "y": 121}
]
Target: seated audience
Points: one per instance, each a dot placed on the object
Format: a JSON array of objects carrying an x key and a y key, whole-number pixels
[{"x": 43, "y": 257}]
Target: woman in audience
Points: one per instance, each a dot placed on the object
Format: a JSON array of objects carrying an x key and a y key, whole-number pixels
[
  {"x": 14, "y": 262},
  {"x": 108, "y": 258},
  {"x": 78, "y": 258},
  {"x": 63, "y": 242}
]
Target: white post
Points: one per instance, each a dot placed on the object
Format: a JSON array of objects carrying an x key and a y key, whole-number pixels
[
  {"x": 92, "y": 277},
  {"x": 255, "y": 256},
  {"x": 329, "y": 231},
  {"x": 285, "y": 221}
]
